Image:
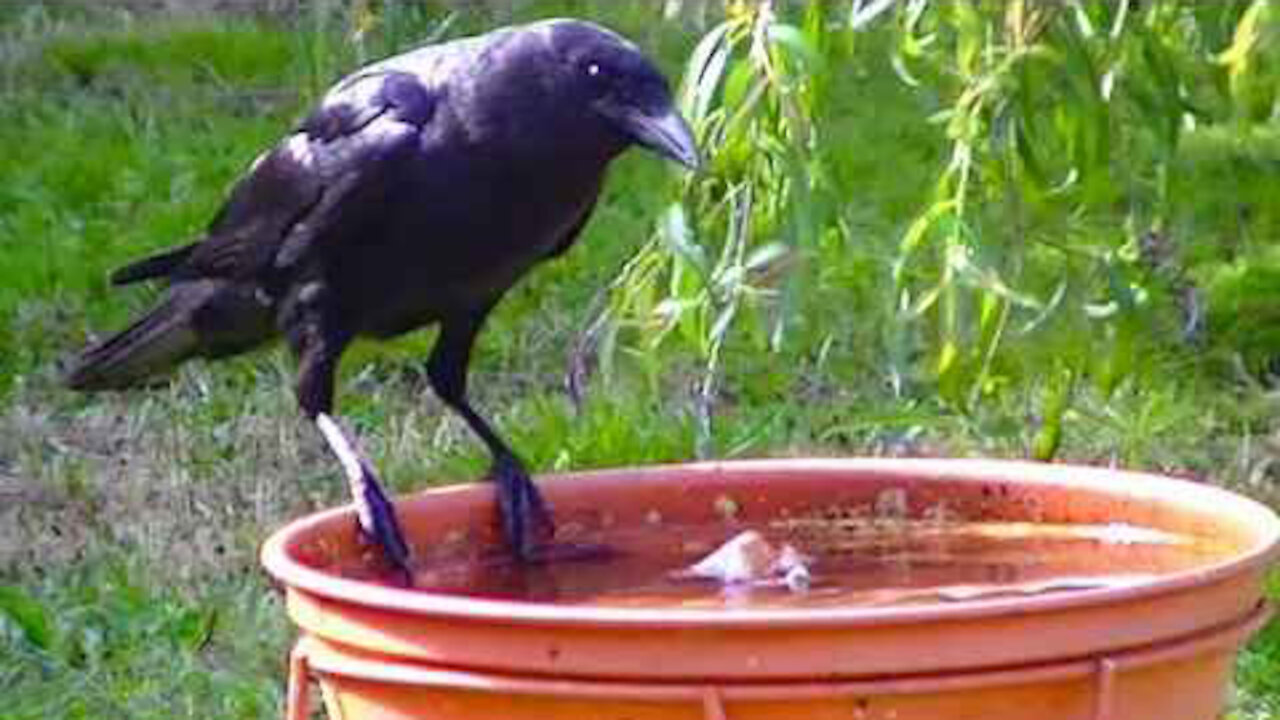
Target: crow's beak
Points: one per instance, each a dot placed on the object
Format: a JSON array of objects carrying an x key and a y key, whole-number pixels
[{"x": 666, "y": 134}]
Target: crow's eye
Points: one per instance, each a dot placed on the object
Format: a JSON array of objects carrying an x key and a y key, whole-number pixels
[
  {"x": 597, "y": 75},
  {"x": 595, "y": 69}
]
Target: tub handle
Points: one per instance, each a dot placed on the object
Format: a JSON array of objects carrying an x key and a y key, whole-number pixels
[
  {"x": 298, "y": 701},
  {"x": 1104, "y": 688}
]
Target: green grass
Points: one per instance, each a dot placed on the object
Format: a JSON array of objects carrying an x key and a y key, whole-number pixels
[{"x": 129, "y": 524}]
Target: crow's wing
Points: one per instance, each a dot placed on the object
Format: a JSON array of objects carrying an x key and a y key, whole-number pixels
[{"x": 313, "y": 184}]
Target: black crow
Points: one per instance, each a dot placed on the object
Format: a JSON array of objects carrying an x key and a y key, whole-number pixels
[{"x": 419, "y": 191}]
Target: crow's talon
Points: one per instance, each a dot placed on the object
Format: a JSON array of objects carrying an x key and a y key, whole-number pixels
[
  {"x": 526, "y": 523},
  {"x": 377, "y": 522}
]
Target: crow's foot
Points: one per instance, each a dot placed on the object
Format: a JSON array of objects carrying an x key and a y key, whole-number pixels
[
  {"x": 375, "y": 514},
  {"x": 378, "y": 523},
  {"x": 526, "y": 523}
]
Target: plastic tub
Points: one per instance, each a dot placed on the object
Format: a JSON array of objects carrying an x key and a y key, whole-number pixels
[{"x": 1160, "y": 649}]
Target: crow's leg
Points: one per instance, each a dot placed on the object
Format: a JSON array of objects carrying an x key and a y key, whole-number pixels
[
  {"x": 318, "y": 360},
  {"x": 374, "y": 510},
  {"x": 526, "y": 523}
]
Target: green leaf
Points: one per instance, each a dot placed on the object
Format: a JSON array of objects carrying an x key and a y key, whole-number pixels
[
  {"x": 676, "y": 233},
  {"x": 794, "y": 40},
  {"x": 723, "y": 321},
  {"x": 765, "y": 256},
  {"x": 861, "y": 16},
  {"x": 28, "y": 615},
  {"x": 918, "y": 232},
  {"x": 1057, "y": 398},
  {"x": 1055, "y": 301},
  {"x": 704, "y": 71},
  {"x": 739, "y": 82}
]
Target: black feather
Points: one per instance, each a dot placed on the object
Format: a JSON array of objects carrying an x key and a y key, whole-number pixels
[{"x": 162, "y": 265}]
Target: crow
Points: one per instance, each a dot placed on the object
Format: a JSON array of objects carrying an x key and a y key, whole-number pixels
[{"x": 419, "y": 191}]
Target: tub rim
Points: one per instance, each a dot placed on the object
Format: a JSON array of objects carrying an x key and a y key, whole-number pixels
[{"x": 275, "y": 553}]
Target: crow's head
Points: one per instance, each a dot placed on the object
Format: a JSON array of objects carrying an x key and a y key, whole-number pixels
[{"x": 621, "y": 87}]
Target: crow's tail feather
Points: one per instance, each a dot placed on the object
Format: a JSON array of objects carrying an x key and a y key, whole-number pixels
[
  {"x": 150, "y": 268},
  {"x": 164, "y": 337}
]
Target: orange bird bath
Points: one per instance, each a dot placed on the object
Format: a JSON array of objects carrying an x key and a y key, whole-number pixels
[{"x": 1045, "y": 633}]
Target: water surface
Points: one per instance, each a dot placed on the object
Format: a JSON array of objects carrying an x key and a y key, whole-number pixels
[{"x": 851, "y": 564}]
